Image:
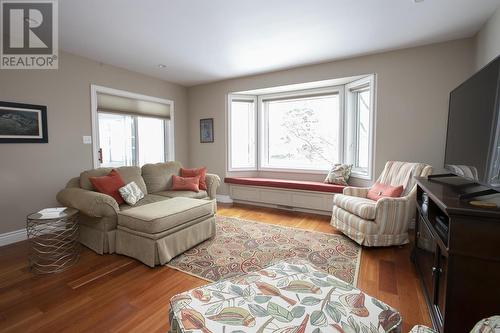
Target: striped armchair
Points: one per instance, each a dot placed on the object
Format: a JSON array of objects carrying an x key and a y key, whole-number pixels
[{"x": 384, "y": 222}]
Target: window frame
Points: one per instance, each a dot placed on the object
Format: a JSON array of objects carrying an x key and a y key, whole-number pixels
[
  {"x": 241, "y": 97},
  {"x": 166, "y": 128},
  {"x": 169, "y": 131},
  {"x": 352, "y": 112},
  {"x": 263, "y": 125},
  {"x": 135, "y": 131},
  {"x": 346, "y": 94}
]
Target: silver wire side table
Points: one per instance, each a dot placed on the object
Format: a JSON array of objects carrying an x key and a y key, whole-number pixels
[{"x": 53, "y": 240}]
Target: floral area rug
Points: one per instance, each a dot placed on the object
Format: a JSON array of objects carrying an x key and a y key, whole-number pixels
[{"x": 242, "y": 246}]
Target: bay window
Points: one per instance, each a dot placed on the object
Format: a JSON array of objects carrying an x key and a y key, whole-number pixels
[{"x": 305, "y": 130}]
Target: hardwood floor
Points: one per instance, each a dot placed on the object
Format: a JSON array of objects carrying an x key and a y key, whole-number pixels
[{"x": 113, "y": 293}]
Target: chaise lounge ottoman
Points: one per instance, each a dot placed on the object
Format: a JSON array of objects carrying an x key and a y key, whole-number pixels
[
  {"x": 285, "y": 297},
  {"x": 157, "y": 232}
]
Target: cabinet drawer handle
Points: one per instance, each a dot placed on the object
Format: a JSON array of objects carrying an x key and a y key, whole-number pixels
[{"x": 435, "y": 269}]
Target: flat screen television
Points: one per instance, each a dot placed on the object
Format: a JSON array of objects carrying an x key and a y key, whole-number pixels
[{"x": 472, "y": 140}]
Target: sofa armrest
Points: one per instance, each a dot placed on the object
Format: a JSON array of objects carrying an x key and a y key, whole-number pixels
[
  {"x": 352, "y": 191},
  {"x": 388, "y": 201},
  {"x": 73, "y": 183},
  {"x": 392, "y": 211},
  {"x": 213, "y": 182},
  {"x": 90, "y": 203}
]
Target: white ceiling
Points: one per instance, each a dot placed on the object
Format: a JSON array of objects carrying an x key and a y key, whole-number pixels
[{"x": 208, "y": 40}]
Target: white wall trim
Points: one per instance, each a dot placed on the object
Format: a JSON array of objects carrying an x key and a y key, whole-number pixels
[
  {"x": 222, "y": 198},
  {"x": 13, "y": 237}
]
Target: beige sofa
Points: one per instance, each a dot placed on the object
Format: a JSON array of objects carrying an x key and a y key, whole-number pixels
[{"x": 98, "y": 212}]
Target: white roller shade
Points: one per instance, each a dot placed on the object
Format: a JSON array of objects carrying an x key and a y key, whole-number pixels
[{"x": 119, "y": 104}]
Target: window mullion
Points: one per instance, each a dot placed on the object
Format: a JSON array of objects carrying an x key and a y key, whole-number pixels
[
  {"x": 355, "y": 139},
  {"x": 166, "y": 144},
  {"x": 256, "y": 146},
  {"x": 136, "y": 141},
  {"x": 342, "y": 130}
]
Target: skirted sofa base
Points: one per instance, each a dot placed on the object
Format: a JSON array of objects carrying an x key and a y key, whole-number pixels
[
  {"x": 156, "y": 233},
  {"x": 101, "y": 242},
  {"x": 98, "y": 234},
  {"x": 154, "y": 251}
]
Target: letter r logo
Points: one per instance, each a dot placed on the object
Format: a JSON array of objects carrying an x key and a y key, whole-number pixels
[{"x": 27, "y": 27}]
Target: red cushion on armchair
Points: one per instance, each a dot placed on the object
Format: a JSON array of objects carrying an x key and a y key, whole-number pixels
[{"x": 380, "y": 190}]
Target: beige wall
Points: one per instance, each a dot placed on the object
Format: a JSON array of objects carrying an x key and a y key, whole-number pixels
[
  {"x": 488, "y": 41},
  {"x": 412, "y": 84},
  {"x": 31, "y": 174},
  {"x": 412, "y": 102}
]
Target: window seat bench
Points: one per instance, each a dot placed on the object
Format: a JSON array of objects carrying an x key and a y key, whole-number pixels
[
  {"x": 307, "y": 196},
  {"x": 287, "y": 184}
]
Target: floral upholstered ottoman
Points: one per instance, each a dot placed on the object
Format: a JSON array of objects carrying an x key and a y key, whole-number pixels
[
  {"x": 487, "y": 325},
  {"x": 285, "y": 298}
]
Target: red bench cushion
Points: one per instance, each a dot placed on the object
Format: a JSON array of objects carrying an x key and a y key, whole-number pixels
[{"x": 284, "y": 183}]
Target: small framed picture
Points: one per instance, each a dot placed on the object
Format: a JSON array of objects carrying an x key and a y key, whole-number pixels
[
  {"x": 207, "y": 130},
  {"x": 23, "y": 123}
]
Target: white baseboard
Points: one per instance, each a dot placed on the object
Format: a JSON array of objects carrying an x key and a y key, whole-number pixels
[
  {"x": 222, "y": 198},
  {"x": 12, "y": 237}
]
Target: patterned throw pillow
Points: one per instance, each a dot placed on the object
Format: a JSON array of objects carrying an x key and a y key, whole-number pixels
[
  {"x": 131, "y": 193},
  {"x": 339, "y": 174}
]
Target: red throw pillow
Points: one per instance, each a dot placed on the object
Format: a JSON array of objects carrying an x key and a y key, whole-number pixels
[
  {"x": 185, "y": 183},
  {"x": 201, "y": 172},
  {"x": 109, "y": 185},
  {"x": 380, "y": 190}
]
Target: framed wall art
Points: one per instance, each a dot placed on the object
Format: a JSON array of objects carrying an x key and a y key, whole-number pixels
[
  {"x": 23, "y": 123},
  {"x": 207, "y": 130}
]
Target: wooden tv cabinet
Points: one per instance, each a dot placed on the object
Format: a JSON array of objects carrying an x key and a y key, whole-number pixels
[{"x": 457, "y": 255}]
